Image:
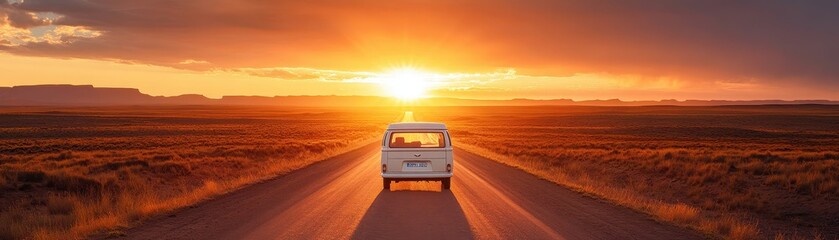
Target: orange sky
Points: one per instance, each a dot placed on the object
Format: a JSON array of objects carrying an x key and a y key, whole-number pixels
[{"x": 632, "y": 50}]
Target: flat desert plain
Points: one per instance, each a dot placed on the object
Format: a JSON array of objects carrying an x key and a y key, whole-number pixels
[{"x": 738, "y": 172}]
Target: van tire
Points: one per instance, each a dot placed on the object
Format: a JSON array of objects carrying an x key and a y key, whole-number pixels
[
  {"x": 386, "y": 183},
  {"x": 447, "y": 183}
]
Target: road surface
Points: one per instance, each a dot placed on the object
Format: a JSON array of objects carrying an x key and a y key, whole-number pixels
[{"x": 342, "y": 198}]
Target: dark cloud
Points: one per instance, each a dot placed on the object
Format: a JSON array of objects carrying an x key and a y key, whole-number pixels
[
  {"x": 21, "y": 19},
  {"x": 776, "y": 42},
  {"x": 227, "y": 33}
]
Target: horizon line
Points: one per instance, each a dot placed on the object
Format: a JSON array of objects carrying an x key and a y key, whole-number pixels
[{"x": 428, "y": 97}]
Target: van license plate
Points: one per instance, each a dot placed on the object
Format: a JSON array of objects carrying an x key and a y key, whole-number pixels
[{"x": 416, "y": 165}]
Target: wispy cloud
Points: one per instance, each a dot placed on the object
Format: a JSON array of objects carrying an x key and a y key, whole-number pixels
[
  {"x": 437, "y": 80},
  {"x": 193, "y": 61},
  {"x": 286, "y": 73}
]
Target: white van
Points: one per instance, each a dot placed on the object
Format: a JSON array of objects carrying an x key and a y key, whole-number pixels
[{"x": 417, "y": 151}]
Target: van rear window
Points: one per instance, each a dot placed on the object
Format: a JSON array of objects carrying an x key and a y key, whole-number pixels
[{"x": 417, "y": 140}]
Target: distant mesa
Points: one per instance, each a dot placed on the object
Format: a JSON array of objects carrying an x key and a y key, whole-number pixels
[
  {"x": 71, "y": 95},
  {"x": 88, "y": 95}
]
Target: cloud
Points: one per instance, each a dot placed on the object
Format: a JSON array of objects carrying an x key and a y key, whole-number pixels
[
  {"x": 50, "y": 35},
  {"x": 459, "y": 90},
  {"x": 193, "y": 61},
  {"x": 23, "y": 19},
  {"x": 789, "y": 43},
  {"x": 21, "y": 28},
  {"x": 438, "y": 80},
  {"x": 306, "y": 74}
]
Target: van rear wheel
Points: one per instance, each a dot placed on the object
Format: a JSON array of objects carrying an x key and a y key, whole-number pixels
[
  {"x": 386, "y": 183},
  {"x": 447, "y": 183}
]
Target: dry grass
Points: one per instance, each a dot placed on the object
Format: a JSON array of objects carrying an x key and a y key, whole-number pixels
[
  {"x": 719, "y": 170},
  {"x": 678, "y": 213},
  {"x": 81, "y": 171}
]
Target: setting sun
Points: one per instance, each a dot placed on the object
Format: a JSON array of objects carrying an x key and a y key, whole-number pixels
[{"x": 406, "y": 83}]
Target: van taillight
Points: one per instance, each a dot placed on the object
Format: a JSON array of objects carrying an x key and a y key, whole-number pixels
[
  {"x": 449, "y": 167},
  {"x": 384, "y": 167}
]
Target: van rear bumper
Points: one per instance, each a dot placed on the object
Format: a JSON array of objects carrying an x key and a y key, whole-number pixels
[{"x": 417, "y": 175}]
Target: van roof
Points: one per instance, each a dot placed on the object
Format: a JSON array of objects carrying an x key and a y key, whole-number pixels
[{"x": 416, "y": 126}]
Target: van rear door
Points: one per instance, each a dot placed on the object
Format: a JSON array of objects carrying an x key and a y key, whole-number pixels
[{"x": 417, "y": 151}]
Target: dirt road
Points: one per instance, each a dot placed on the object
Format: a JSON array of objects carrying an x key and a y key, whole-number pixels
[{"x": 343, "y": 198}]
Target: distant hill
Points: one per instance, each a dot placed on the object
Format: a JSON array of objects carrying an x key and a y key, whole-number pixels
[{"x": 87, "y": 95}]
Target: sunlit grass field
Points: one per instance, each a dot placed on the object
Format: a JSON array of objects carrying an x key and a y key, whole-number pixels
[
  {"x": 739, "y": 172},
  {"x": 70, "y": 172}
]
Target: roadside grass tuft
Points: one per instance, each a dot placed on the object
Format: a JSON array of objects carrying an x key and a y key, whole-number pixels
[{"x": 679, "y": 213}]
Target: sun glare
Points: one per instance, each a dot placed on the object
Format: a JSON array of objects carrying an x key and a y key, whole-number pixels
[{"x": 406, "y": 83}]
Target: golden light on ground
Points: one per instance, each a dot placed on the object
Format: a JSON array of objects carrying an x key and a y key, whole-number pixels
[{"x": 406, "y": 83}]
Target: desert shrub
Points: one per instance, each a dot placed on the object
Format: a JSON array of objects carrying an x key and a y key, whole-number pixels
[
  {"x": 59, "y": 204},
  {"x": 804, "y": 182},
  {"x": 30, "y": 176},
  {"x": 749, "y": 201},
  {"x": 162, "y": 157},
  {"x": 777, "y": 180},
  {"x": 744, "y": 231},
  {"x": 753, "y": 167},
  {"x": 731, "y": 228},
  {"x": 178, "y": 169},
  {"x": 73, "y": 183},
  {"x": 830, "y": 187},
  {"x": 679, "y": 213},
  {"x": 113, "y": 166},
  {"x": 61, "y": 156}
]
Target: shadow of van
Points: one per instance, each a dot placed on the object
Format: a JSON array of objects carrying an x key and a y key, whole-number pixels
[{"x": 414, "y": 215}]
